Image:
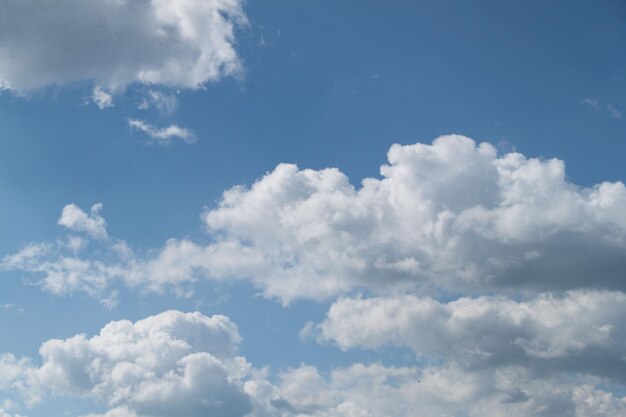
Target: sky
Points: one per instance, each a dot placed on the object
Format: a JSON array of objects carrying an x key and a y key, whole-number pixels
[{"x": 312, "y": 208}]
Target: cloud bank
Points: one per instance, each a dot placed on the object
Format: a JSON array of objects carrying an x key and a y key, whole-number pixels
[
  {"x": 451, "y": 217},
  {"x": 503, "y": 278},
  {"x": 181, "y": 43},
  {"x": 187, "y": 364}
]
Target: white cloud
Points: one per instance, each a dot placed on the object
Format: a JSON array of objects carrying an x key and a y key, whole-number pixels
[
  {"x": 183, "y": 43},
  {"x": 170, "y": 363},
  {"x": 163, "y": 135},
  {"x": 186, "y": 364},
  {"x": 579, "y": 331},
  {"x": 102, "y": 98},
  {"x": 77, "y": 220},
  {"x": 451, "y": 217},
  {"x": 11, "y": 371},
  {"x": 375, "y": 390}
]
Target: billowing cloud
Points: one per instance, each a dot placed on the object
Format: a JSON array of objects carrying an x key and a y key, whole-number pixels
[
  {"x": 580, "y": 331},
  {"x": 171, "y": 363},
  {"x": 452, "y": 217},
  {"x": 162, "y": 135},
  {"x": 183, "y": 43},
  {"x": 186, "y": 364}
]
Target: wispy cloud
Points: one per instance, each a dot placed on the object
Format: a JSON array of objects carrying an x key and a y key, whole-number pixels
[
  {"x": 163, "y": 135},
  {"x": 163, "y": 102},
  {"x": 613, "y": 112},
  {"x": 599, "y": 105}
]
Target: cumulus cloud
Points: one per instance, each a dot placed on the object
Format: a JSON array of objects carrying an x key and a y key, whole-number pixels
[
  {"x": 77, "y": 220},
  {"x": 183, "y": 43},
  {"x": 187, "y": 364},
  {"x": 163, "y": 135},
  {"x": 451, "y": 217},
  {"x": 580, "y": 331},
  {"x": 375, "y": 390},
  {"x": 11, "y": 371},
  {"x": 171, "y": 363}
]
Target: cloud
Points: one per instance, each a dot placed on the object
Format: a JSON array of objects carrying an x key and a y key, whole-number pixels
[
  {"x": 165, "y": 103},
  {"x": 447, "y": 218},
  {"x": 181, "y": 43},
  {"x": 102, "y": 98},
  {"x": 5, "y": 413},
  {"x": 11, "y": 371},
  {"x": 164, "y": 135},
  {"x": 579, "y": 331},
  {"x": 77, "y": 220},
  {"x": 609, "y": 108},
  {"x": 187, "y": 364},
  {"x": 375, "y": 390},
  {"x": 614, "y": 112},
  {"x": 171, "y": 363}
]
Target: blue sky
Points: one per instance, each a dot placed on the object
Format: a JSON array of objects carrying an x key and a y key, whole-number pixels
[{"x": 179, "y": 117}]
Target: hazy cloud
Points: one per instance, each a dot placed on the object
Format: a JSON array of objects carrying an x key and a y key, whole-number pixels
[{"x": 162, "y": 135}]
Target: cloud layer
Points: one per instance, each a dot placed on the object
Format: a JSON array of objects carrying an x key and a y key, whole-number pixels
[{"x": 182, "y": 43}]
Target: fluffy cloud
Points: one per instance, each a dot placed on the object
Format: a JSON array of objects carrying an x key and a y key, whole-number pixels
[
  {"x": 579, "y": 331},
  {"x": 186, "y": 364},
  {"x": 183, "y": 43},
  {"x": 77, "y": 220},
  {"x": 375, "y": 390},
  {"x": 171, "y": 363},
  {"x": 164, "y": 135},
  {"x": 11, "y": 371},
  {"x": 451, "y": 217}
]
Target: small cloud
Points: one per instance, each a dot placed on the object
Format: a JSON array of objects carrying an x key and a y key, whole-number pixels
[
  {"x": 598, "y": 105},
  {"x": 102, "y": 98},
  {"x": 11, "y": 307},
  {"x": 162, "y": 135},
  {"x": 165, "y": 103},
  {"x": 593, "y": 102},
  {"x": 613, "y": 112},
  {"x": 77, "y": 220}
]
